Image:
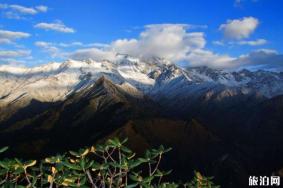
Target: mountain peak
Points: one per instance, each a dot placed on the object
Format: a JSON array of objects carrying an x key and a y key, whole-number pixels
[{"x": 55, "y": 81}]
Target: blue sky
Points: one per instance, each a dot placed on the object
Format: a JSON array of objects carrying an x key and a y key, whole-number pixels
[{"x": 223, "y": 32}]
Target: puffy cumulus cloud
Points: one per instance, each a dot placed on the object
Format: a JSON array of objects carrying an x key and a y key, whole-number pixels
[
  {"x": 176, "y": 43},
  {"x": 236, "y": 31},
  {"x": 7, "y": 37},
  {"x": 55, "y": 26},
  {"x": 173, "y": 42},
  {"x": 239, "y": 28},
  {"x": 126, "y": 46},
  {"x": 170, "y": 41}
]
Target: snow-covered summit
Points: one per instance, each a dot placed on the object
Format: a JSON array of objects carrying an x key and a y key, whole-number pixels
[{"x": 55, "y": 81}]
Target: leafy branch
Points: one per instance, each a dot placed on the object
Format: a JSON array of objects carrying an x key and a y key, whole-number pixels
[{"x": 111, "y": 164}]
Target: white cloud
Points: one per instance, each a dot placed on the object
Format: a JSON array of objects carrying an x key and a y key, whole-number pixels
[
  {"x": 72, "y": 44},
  {"x": 19, "y": 12},
  {"x": 218, "y": 43},
  {"x": 239, "y": 28},
  {"x": 23, "y": 10},
  {"x": 49, "y": 48},
  {"x": 42, "y": 44},
  {"x": 62, "y": 50},
  {"x": 94, "y": 53},
  {"x": 207, "y": 58},
  {"x": 13, "y": 15},
  {"x": 55, "y": 26},
  {"x": 97, "y": 45},
  {"x": 7, "y": 37},
  {"x": 238, "y": 3},
  {"x": 257, "y": 42},
  {"x": 5, "y": 41},
  {"x": 170, "y": 41},
  {"x": 41, "y": 8},
  {"x": 13, "y": 35},
  {"x": 264, "y": 58},
  {"x": 14, "y": 53},
  {"x": 173, "y": 42}
]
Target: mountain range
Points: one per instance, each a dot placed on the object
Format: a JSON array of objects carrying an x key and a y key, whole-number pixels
[{"x": 215, "y": 120}]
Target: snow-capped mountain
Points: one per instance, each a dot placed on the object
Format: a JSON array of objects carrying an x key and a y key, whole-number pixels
[
  {"x": 58, "y": 106},
  {"x": 55, "y": 81}
]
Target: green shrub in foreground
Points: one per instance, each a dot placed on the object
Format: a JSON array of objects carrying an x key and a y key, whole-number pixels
[{"x": 107, "y": 165}]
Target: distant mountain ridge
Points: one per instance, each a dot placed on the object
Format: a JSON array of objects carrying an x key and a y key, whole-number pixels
[{"x": 55, "y": 81}]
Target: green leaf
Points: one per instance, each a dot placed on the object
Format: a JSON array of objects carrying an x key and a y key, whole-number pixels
[
  {"x": 114, "y": 142},
  {"x": 126, "y": 150},
  {"x": 74, "y": 153},
  {"x": 148, "y": 179},
  {"x": 167, "y": 150},
  {"x": 4, "y": 165},
  {"x": 30, "y": 163},
  {"x": 3, "y": 171},
  {"x": 71, "y": 166},
  {"x": 134, "y": 177},
  {"x": 124, "y": 141},
  {"x": 18, "y": 161},
  {"x": 131, "y": 156},
  {"x": 132, "y": 185},
  {"x": 100, "y": 148},
  {"x": 83, "y": 181},
  {"x": 4, "y": 149},
  {"x": 89, "y": 165},
  {"x": 167, "y": 173},
  {"x": 18, "y": 171},
  {"x": 82, "y": 163},
  {"x": 53, "y": 160},
  {"x": 142, "y": 160},
  {"x": 21, "y": 186},
  {"x": 133, "y": 164}
]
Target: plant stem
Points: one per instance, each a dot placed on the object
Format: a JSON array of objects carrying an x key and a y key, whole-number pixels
[
  {"x": 90, "y": 179},
  {"x": 26, "y": 176},
  {"x": 157, "y": 165}
]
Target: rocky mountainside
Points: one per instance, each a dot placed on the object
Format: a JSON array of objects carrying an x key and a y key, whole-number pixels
[
  {"x": 55, "y": 81},
  {"x": 82, "y": 118},
  {"x": 215, "y": 119}
]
